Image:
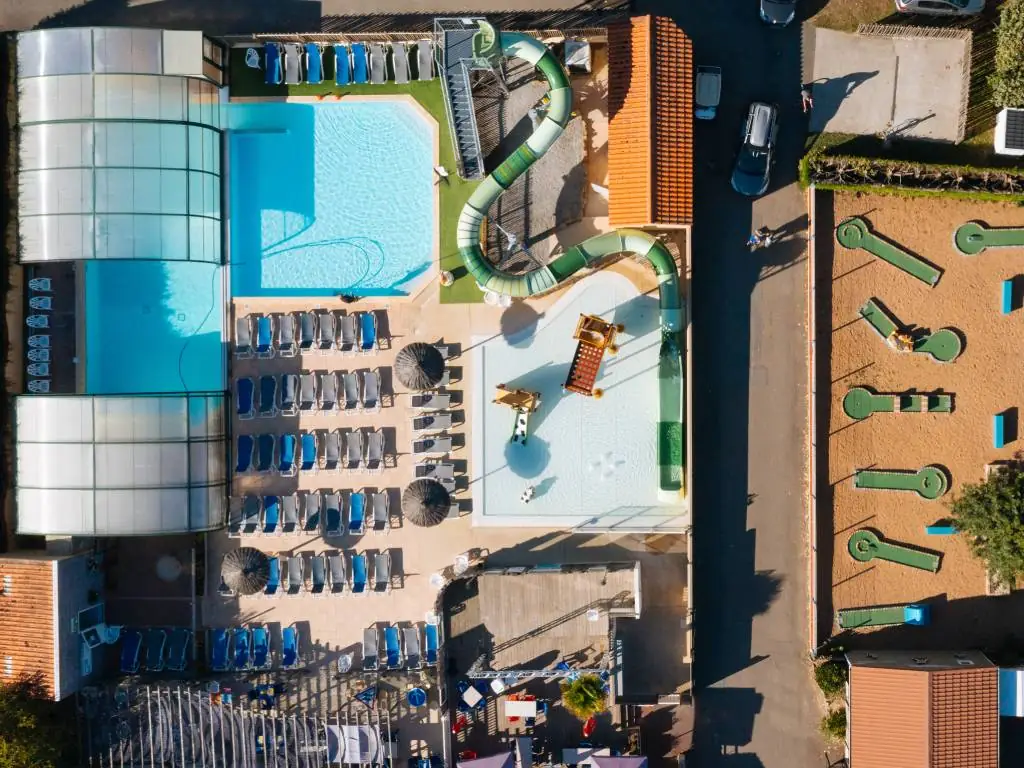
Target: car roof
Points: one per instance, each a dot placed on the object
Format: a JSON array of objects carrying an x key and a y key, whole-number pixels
[{"x": 760, "y": 122}]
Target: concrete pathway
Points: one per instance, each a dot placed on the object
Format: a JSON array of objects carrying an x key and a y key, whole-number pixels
[{"x": 755, "y": 702}]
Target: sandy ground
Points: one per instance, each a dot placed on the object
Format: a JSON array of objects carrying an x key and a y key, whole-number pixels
[{"x": 982, "y": 380}]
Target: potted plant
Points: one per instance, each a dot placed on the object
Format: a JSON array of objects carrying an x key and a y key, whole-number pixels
[{"x": 585, "y": 696}]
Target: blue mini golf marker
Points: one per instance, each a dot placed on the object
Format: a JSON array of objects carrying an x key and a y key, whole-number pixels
[
  {"x": 998, "y": 430},
  {"x": 940, "y": 530},
  {"x": 1007, "y": 296}
]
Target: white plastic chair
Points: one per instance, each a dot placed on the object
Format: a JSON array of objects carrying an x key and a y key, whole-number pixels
[
  {"x": 38, "y": 369},
  {"x": 40, "y": 284},
  {"x": 41, "y": 341},
  {"x": 39, "y": 355},
  {"x": 44, "y": 303},
  {"x": 39, "y": 386},
  {"x": 37, "y": 321},
  {"x": 252, "y": 58}
]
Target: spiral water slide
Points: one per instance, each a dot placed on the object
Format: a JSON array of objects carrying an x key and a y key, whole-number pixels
[{"x": 488, "y": 43}]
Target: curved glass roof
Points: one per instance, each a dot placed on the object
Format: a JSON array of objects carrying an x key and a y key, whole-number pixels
[
  {"x": 119, "y": 146},
  {"x": 120, "y": 466}
]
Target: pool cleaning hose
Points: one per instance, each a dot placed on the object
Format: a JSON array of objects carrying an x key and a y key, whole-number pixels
[{"x": 575, "y": 258}]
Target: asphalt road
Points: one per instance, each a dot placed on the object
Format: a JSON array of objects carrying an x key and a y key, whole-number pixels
[{"x": 755, "y": 704}]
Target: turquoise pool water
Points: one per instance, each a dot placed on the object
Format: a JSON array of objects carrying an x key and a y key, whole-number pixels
[
  {"x": 153, "y": 327},
  {"x": 329, "y": 198}
]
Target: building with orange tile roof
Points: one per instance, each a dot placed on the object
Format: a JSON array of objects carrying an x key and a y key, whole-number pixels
[
  {"x": 922, "y": 709},
  {"x": 650, "y": 125},
  {"x": 44, "y": 611}
]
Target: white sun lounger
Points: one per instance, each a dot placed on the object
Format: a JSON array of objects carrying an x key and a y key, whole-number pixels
[
  {"x": 382, "y": 572},
  {"x": 332, "y": 451},
  {"x": 375, "y": 451},
  {"x": 381, "y": 516},
  {"x": 39, "y": 386},
  {"x": 378, "y": 64},
  {"x": 243, "y": 338},
  {"x": 432, "y": 422},
  {"x": 432, "y": 446},
  {"x": 431, "y": 402},
  {"x": 351, "y": 385},
  {"x": 443, "y": 472},
  {"x": 411, "y": 641},
  {"x": 353, "y": 450},
  {"x": 336, "y": 567},
  {"x": 347, "y": 334},
  {"x": 400, "y": 62},
  {"x": 424, "y": 60},
  {"x": 292, "y": 61},
  {"x": 307, "y": 331},
  {"x": 289, "y": 391},
  {"x": 286, "y": 335},
  {"x": 371, "y": 390},
  {"x": 371, "y": 659},
  {"x": 318, "y": 575},
  {"x": 311, "y": 518},
  {"x": 328, "y": 391},
  {"x": 289, "y": 513},
  {"x": 332, "y": 514},
  {"x": 326, "y": 331},
  {"x": 296, "y": 576},
  {"x": 307, "y": 392}
]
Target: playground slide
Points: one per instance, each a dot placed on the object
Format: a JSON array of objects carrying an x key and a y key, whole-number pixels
[{"x": 489, "y": 44}]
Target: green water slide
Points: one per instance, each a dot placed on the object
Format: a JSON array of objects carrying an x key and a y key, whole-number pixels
[{"x": 644, "y": 245}]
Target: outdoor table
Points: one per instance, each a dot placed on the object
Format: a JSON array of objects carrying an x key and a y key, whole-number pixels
[
  {"x": 514, "y": 708},
  {"x": 582, "y": 756},
  {"x": 472, "y": 696}
]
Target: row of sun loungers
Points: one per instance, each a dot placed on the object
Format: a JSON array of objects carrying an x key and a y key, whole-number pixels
[
  {"x": 403, "y": 647},
  {"x": 314, "y": 512},
  {"x": 289, "y": 454},
  {"x": 309, "y": 391},
  {"x": 328, "y": 573},
  {"x": 287, "y": 334},
  {"x": 39, "y": 344},
  {"x": 154, "y": 649},
  {"x": 358, "y": 63},
  {"x": 249, "y": 648}
]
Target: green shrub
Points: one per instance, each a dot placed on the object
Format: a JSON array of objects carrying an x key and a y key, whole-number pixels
[
  {"x": 831, "y": 678},
  {"x": 1008, "y": 81},
  {"x": 990, "y": 515},
  {"x": 833, "y": 724}
]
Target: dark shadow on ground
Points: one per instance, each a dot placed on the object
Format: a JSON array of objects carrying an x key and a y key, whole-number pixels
[{"x": 215, "y": 17}]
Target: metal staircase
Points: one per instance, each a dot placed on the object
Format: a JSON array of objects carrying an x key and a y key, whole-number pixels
[{"x": 454, "y": 46}]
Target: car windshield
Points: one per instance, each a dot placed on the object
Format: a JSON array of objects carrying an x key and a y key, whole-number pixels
[{"x": 753, "y": 161}]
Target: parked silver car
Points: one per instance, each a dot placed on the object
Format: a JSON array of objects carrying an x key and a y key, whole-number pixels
[
  {"x": 941, "y": 7},
  {"x": 754, "y": 163}
]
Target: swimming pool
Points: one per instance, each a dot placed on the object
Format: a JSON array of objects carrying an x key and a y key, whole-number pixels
[
  {"x": 153, "y": 327},
  {"x": 329, "y": 198}
]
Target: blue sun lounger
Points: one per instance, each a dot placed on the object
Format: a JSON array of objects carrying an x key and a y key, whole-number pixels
[
  {"x": 219, "y": 650},
  {"x": 314, "y": 64},
  {"x": 265, "y": 454},
  {"x": 241, "y": 640},
  {"x": 271, "y": 514},
  {"x": 268, "y": 396},
  {"x": 342, "y": 67},
  {"x": 308, "y": 452},
  {"x": 360, "y": 64},
  {"x": 392, "y": 648},
  {"x": 289, "y": 647},
  {"x": 367, "y": 331},
  {"x": 131, "y": 644},
  {"x": 357, "y": 514},
  {"x": 272, "y": 63},
  {"x": 430, "y": 632},
  {"x": 177, "y": 649},
  {"x": 359, "y": 574},
  {"x": 156, "y": 641},
  {"x": 243, "y": 454},
  {"x": 244, "y": 391},
  {"x": 260, "y": 647},
  {"x": 273, "y": 577},
  {"x": 286, "y": 466},
  {"x": 264, "y": 336}
]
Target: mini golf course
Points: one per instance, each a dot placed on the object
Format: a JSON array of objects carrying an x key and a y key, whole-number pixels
[
  {"x": 927, "y": 482},
  {"x": 974, "y": 237},
  {"x": 884, "y": 615},
  {"x": 866, "y": 546},
  {"x": 861, "y": 402},
  {"x": 943, "y": 346},
  {"x": 855, "y": 234}
]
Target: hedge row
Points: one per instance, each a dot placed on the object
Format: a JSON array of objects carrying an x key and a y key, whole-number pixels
[{"x": 1008, "y": 81}]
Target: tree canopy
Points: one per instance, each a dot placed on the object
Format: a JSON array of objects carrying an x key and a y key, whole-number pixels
[
  {"x": 584, "y": 696},
  {"x": 991, "y": 515},
  {"x": 1008, "y": 81},
  {"x": 33, "y": 732}
]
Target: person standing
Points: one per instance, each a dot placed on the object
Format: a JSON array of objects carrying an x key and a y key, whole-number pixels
[{"x": 807, "y": 97}]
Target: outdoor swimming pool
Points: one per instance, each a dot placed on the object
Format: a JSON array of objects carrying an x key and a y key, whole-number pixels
[
  {"x": 153, "y": 326},
  {"x": 330, "y": 198}
]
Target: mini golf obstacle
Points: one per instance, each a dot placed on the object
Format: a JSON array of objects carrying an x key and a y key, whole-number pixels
[
  {"x": 522, "y": 403},
  {"x": 595, "y": 336},
  {"x": 866, "y": 546},
  {"x": 927, "y": 482},
  {"x": 974, "y": 237},
  {"x": 854, "y": 233},
  {"x": 861, "y": 402},
  {"x": 884, "y": 615},
  {"x": 944, "y": 345}
]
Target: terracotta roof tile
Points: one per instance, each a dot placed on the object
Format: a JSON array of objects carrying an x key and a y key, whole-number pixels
[
  {"x": 965, "y": 718},
  {"x": 26, "y": 618},
  {"x": 650, "y": 127}
]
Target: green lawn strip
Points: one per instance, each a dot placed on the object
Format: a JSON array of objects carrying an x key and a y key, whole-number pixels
[{"x": 453, "y": 193}]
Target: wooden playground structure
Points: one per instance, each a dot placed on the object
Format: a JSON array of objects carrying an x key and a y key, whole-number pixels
[
  {"x": 595, "y": 337},
  {"x": 523, "y": 403}
]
